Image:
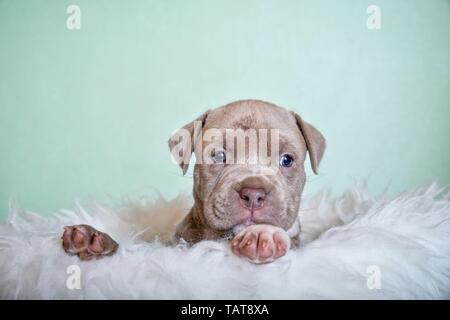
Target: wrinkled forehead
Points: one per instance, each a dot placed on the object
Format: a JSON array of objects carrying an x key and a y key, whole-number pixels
[{"x": 251, "y": 116}]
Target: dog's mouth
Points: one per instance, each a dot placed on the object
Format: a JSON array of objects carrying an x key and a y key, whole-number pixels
[
  {"x": 248, "y": 222},
  {"x": 241, "y": 218}
]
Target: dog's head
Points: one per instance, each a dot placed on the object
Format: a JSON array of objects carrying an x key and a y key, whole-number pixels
[{"x": 249, "y": 163}]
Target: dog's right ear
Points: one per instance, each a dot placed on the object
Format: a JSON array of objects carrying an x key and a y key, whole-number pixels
[
  {"x": 182, "y": 141},
  {"x": 315, "y": 142}
]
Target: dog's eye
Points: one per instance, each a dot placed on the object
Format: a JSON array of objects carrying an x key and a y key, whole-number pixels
[
  {"x": 219, "y": 157},
  {"x": 286, "y": 161}
]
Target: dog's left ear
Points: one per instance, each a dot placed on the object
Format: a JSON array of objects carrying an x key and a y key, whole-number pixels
[
  {"x": 182, "y": 142},
  {"x": 315, "y": 142}
]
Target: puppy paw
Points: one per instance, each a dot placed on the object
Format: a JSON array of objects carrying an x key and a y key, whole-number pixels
[
  {"x": 261, "y": 243},
  {"x": 87, "y": 242}
]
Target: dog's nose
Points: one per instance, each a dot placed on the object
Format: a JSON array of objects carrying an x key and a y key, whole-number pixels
[{"x": 252, "y": 198}]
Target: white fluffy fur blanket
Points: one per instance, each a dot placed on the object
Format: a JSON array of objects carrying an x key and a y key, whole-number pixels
[{"x": 355, "y": 246}]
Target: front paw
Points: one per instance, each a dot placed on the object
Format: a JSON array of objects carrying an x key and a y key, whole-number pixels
[
  {"x": 87, "y": 242},
  {"x": 261, "y": 243}
]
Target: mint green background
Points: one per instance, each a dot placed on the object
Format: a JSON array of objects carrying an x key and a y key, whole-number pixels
[{"x": 86, "y": 114}]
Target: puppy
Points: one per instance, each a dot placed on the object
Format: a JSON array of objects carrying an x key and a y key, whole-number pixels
[{"x": 248, "y": 180}]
